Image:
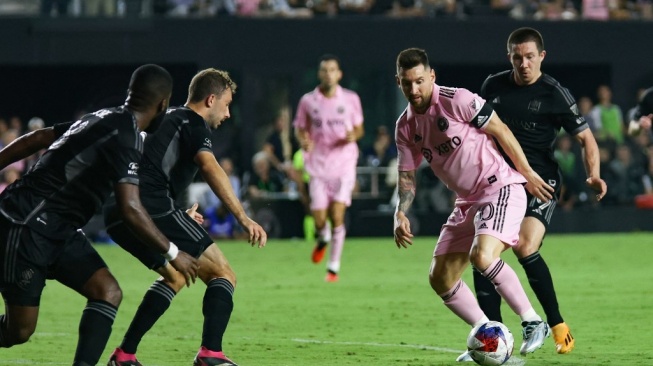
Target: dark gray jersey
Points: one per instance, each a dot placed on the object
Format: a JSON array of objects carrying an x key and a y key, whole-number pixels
[
  {"x": 168, "y": 166},
  {"x": 534, "y": 113},
  {"x": 73, "y": 178}
]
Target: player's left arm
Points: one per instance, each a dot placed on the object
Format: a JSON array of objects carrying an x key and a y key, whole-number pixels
[
  {"x": 592, "y": 162},
  {"x": 218, "y": 180},
  {"x": 536, "y": 185}
]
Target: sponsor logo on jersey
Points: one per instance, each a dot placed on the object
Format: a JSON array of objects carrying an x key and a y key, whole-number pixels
[
  {"x": 476, "y": 105},
  {"x": 185, "y": 121},
  {"x": 574, "y": 109},
  {"x": 341, "y": 110},
  {"x": 492, "y": 179},
  {"x": 534, "y": 105},
  {"x": 417, "y": 138},
  {"x": 448, "y": 146},
  {"x": 443, "y": 124},
  {"x": 133, "y": 168}
]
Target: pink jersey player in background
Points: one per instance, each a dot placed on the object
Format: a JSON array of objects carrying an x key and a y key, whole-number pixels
[
  {"x": 328, "y": 123},
  {"x": 453, "y": 130}
]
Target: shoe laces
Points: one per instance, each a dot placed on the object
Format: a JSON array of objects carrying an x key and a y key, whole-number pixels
[{"x": 529, "y": 328}]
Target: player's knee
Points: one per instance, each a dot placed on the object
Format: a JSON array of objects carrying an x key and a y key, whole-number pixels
[
  {"x": 112, "y": 294},
  {"x": 526, "y": 248}
]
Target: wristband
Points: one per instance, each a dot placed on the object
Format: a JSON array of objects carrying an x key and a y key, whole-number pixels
[{"x": 172, "y": 252}]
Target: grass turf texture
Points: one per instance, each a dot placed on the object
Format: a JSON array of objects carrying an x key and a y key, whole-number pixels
[{"x": 382, "y": 312}]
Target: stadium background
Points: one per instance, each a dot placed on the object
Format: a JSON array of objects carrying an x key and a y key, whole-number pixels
[{"x": 54, "y": 68}]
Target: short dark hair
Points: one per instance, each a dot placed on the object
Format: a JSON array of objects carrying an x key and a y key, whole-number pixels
[
  {"x": 149, "y": 85},
  {"x": 207, "y": 82},
  {"x": 329, "y": 57},
  {"x": 411, "y": 57},
  {"x": 523, "y": 35}
]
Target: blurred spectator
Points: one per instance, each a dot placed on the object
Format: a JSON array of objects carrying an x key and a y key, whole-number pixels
[
  {"x": 222, "y": 224},
  {"x": 281, "y": 8},
  {"x": 54, "y": 7},
  {"x": 9, "y": 175},
  {"x": 4, "y": 126},
  {"x": 354, "y": 7},
  {"x": 567, "y": 160},
  {"x": 247, "y": 8},
  {"x": 280, "y": 145},
  {"x": 35, "y": 123},
  {"x": 609, "y": 116},
  {"x": 595, "y": 10},
  {"x": 8, "y": 137},
  {"x": 585, "y": 106},
  {"x": 263, "y": 179},
  {"x": 629, "y": 178},
  {"x": 381, "y": 151},
  {"x": 15, "y": 123},
  {"x": 208, "y": 200},
  {"x": 94, "y": 8}
]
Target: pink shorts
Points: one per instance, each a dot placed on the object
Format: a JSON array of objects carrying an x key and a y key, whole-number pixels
[
  {"x": 324, "y": 191},
  {"x": 499, "y": 215}
]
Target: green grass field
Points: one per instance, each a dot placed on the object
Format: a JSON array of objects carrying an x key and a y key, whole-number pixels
[{"x": 382, "y": 312}]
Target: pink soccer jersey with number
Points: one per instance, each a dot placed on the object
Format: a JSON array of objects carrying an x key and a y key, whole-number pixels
[
  {"x": 328, "y": 120},
  {"x": 450, "y": 137}
]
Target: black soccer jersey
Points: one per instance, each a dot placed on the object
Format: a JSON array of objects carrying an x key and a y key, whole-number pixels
[
  {"x": 645, "y": 106},
  {"x": 168, "y": 166},
  {"x": 534, "y": 113},
  {"x": 73, "y": 178}
]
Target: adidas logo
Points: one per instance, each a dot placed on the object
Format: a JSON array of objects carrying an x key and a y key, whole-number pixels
[
  {"x": 496, "y": 100},
  {"x": 483, "y": 226},
  {"x": 482, "y": 119}
]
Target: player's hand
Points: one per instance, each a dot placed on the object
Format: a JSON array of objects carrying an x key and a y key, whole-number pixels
[
  {"x": 192, "y": 212},
  {"x": 598, "y": 185},
  {"x": 645, "y": 121},
  {"x": 307, "y": 144},
  {"x": 187, "y": 266},
  {"x": 403, "y": 236},
  {"x": 538, "y": 187},
  {"x": 350, "y": 136},
  {"x": 256, "y": 233}
]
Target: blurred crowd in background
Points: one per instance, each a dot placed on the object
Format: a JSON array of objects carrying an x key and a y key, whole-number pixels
[
  {"x": 457, "y": 9},
  {"x": 276, "y": 170}
]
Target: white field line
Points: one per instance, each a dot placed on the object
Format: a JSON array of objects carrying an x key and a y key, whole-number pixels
[{"x": 512, "y": 361}]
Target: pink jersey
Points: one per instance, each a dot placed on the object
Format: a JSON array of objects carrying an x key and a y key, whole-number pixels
[
  {"x": 449, "y": 137},
  {"x": 328, "y": 120}
]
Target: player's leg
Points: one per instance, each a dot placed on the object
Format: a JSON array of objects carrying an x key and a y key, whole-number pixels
[
  {"x": 158, "y": 297},
  {"x": 319, "y": 205},
  {"x": 497, "y": 224},
  {"x": 82, "y": 269},
  {"x": 450, "y": 258},
  {"x": 532, "y": 232},
  {"x": 339, "y": 193},
  {"x": 24, "y": 257},
  {"x": 217, "y": 305}
]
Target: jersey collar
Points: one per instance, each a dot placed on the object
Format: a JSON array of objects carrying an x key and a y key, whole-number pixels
[{"x": 322, "y": 96}]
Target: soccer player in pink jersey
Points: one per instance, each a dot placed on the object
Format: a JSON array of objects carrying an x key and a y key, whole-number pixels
[
  {"x": 452, "y": 129},
  {"x": 328, "y": 123}
]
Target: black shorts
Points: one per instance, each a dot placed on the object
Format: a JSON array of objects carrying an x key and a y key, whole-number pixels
[
  {"x": 28, "y": 258},
  {"x": 177, "y": 226},
  {"x": 540, "y": 210}
]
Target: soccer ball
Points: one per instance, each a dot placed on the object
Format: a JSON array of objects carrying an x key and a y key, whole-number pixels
[{"x": 490, "y": 344}]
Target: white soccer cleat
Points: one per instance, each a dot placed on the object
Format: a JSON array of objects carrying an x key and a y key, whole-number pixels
[
  {"x": 534, "y": 333},
  {"x": 464, "y": 357}
]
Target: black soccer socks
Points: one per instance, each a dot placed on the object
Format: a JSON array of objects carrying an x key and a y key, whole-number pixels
[
  {"x": 217, "y": 307},
  {"x": 94, "y": 331},
  {"x": 541, "y": 282}
]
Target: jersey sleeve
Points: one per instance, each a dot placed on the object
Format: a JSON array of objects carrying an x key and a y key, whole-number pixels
[
  {"x": 301, "y": 117},
  {"x": 567, "y": 112},
  {"x": 357, "y": 110},
  {"x": 469, "y": 107},
  {"x": 61, "y": 128},
  {"x": 199, "y": 139},
  {"x": 484, "y": 88},
  {"x": 408, "y": 155},
  {"x": 122, "y": 155}
]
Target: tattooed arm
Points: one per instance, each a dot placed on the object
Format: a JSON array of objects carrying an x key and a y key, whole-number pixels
[{"x": 406, "y": 190}]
